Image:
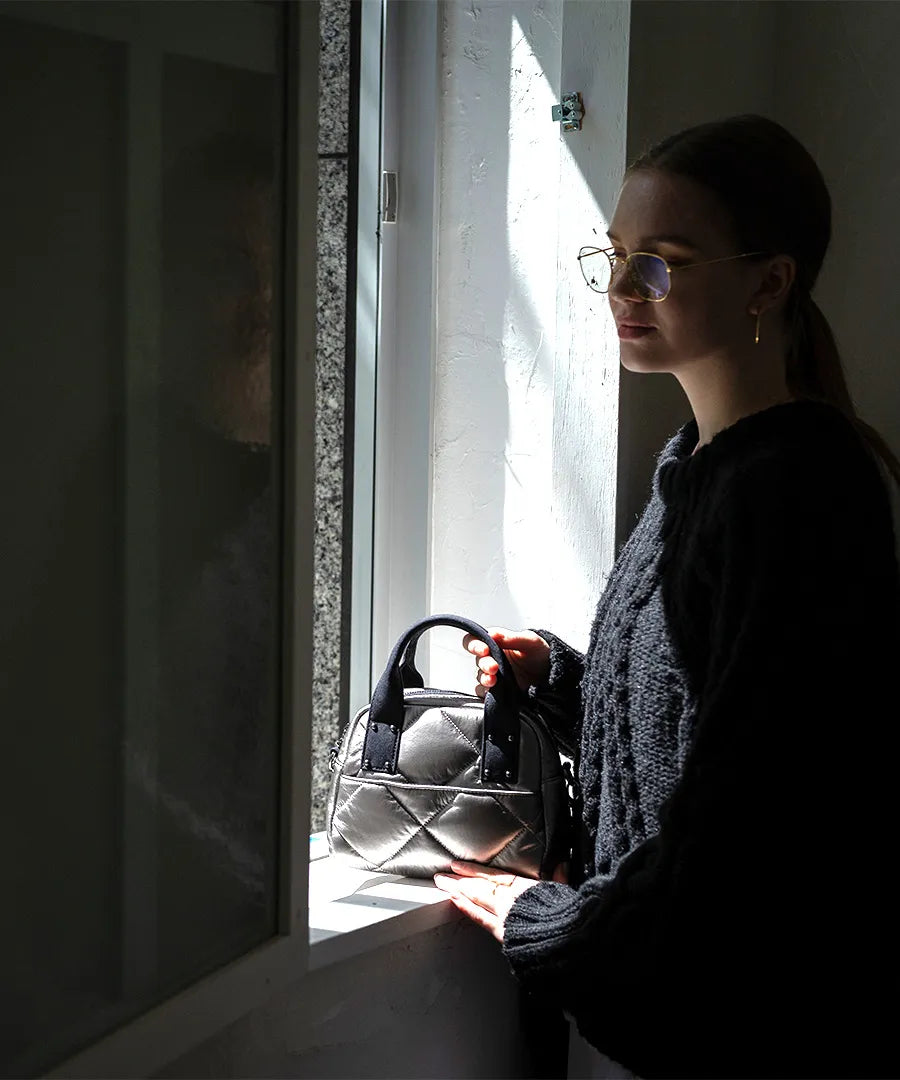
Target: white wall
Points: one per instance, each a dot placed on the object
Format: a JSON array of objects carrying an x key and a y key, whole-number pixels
[{"x": 526, "y": 370}]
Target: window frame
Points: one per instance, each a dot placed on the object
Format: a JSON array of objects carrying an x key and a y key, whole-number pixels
[
  {"x": 159, "y": 1036},
  {"x": 366, "y": 354},
  {"x": 396, "y": 305},
  {"x": 407, "y": 338}
]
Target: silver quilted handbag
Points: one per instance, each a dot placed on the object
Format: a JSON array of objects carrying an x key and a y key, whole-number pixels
[{"x": 423, "y": 776}]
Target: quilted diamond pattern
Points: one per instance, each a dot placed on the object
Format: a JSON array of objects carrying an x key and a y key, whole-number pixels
[
  {"x": 435, "y": 807},
  {"x": 446, "y": 748}
]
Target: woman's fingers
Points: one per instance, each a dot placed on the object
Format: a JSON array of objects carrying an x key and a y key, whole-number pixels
[
  {"x": 486, "y": 666},
  {"x": 527, "y": 652},
  {"x": 475, "y": 645},
  {"x": 508, "y": 640},
  {"x": 484, "y": 918},
  {"x": 484, "y": 894},
  {"x": 479, "y": 870},
  {"x": 474, "y": 893},
  {"x": 485, "y": 663}
]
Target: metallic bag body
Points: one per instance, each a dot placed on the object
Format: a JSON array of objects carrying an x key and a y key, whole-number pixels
[{"x": 423, "y": 776}]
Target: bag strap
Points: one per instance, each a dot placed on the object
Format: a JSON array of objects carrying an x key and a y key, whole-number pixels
[{"x": 500, "y": 737}]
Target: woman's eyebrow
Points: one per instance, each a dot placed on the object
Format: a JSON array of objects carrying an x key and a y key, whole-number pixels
[{"x": 668, "y": 238}]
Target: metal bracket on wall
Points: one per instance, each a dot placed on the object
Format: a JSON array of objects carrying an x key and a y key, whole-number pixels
[{"x": 570, "y": 112}]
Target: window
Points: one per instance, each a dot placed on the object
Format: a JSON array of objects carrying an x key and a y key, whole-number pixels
[{"x": 156, "y": 330}]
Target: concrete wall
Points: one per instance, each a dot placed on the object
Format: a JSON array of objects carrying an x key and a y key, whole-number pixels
[
  {"x": 411, "y": 1010},
  {"x": 837, "y": 88}
]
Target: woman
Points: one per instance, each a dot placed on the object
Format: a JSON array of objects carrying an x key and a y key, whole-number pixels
[{"x": 730, "y": 913}]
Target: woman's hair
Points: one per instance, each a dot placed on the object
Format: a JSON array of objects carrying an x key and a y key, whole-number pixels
[{"x": 778, "y": 203}]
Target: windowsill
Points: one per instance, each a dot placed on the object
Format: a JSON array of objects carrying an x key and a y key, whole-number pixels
[{"x": 353, "y": 911}]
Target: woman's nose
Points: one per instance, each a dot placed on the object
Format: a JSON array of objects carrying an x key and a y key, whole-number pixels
[{"x": 621, "y": 283}]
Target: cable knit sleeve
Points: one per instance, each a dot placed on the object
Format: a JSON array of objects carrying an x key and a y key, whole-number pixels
[
  {"x": 745, "y": 896},
  {"x": 558, "y": 697}
]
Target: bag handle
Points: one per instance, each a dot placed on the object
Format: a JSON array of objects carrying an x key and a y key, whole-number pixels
[
  {"x": 409, "y": 673},
  {"x": 500, "y": 737}
]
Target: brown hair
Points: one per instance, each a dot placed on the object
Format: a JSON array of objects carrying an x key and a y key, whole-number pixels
[{"x": 778, "y": 202}]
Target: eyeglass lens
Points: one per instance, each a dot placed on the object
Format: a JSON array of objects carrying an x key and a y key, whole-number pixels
[
  {"x": 596, "y": 268},
  {"x": 648, "y": 274}
]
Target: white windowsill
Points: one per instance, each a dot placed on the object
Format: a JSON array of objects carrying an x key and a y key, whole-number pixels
[{"x": 353, "y": 911}]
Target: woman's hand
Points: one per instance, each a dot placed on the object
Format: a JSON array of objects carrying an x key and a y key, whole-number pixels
[
  {"x": 527, "y": 652},
  {"x": 486, "y": 895}
]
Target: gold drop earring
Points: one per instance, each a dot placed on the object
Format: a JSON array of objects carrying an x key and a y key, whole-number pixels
[{"x": 756, "y": 338}]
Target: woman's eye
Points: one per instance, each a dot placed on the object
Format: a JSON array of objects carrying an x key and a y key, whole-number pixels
[{"x": 676, "y": 260}]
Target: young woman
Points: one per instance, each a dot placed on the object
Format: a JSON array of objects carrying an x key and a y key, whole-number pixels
[{"x": 735, "y": 717}]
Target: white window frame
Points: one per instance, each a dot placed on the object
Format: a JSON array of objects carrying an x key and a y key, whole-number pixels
[
  {"x": 410, "y": 147},
  {"x": 368, "y": 317}
]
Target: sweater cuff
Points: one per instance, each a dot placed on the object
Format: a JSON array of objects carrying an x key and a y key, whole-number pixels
[
  {"x": 566, "y": 667},
  {"x": 538, "y": 931}
]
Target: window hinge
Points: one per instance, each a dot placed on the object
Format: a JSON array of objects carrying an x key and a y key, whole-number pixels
[{"x": 389, "y": 197}]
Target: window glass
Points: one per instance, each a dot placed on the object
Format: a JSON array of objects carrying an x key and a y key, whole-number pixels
[{"x": 141, "y": 567}]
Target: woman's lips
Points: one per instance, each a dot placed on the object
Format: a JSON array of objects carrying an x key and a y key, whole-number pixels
[{"x": 628, "y": 333}]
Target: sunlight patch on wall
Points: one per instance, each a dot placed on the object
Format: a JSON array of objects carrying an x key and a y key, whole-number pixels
[{"x": 529, "y": 320}]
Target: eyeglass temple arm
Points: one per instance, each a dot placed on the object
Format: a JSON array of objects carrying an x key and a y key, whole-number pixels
[{"x": 708, "y": 262}]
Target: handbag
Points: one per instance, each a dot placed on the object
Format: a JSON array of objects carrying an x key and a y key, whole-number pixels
[{"x": 425, "y": 776}]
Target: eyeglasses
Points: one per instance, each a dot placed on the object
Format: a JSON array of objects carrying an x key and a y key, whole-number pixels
[{"x": 650, "y": 275}]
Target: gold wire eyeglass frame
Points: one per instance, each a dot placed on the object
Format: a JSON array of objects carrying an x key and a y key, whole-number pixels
[{"x": 616, "y": 263}]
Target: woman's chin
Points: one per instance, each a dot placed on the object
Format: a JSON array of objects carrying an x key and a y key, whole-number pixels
[{"x": 640, "y": 360}]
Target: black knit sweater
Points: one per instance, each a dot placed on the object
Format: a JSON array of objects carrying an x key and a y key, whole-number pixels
[{"x": 737, "y": 717}]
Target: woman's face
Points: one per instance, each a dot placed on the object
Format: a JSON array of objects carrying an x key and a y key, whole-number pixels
[{"x": 706, "y": 313}]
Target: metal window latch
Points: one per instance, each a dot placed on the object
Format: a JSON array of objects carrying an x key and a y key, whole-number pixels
[
  {"x": 570, "y": 112},
  {"x": 389, "y": 197}
]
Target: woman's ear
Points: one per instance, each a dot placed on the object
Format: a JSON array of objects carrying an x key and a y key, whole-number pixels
[{"x": 778, "y": 275}]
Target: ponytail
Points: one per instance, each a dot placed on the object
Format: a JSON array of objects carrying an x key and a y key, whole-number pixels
[{"x": 814, "y": 370}]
